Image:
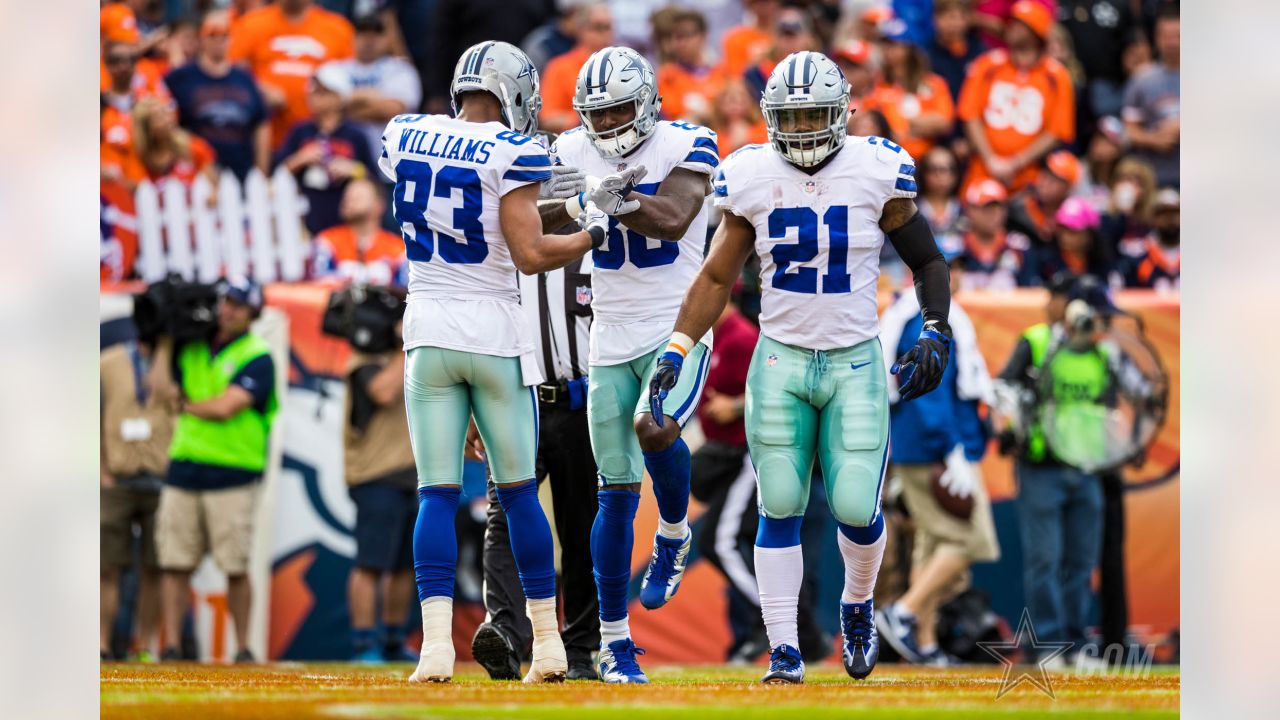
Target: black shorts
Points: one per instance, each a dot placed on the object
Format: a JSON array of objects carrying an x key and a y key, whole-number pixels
[{"x": 385, "y": 515}]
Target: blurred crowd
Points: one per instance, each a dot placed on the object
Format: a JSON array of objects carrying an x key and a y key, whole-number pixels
[{"x": 1047, "y": 131}]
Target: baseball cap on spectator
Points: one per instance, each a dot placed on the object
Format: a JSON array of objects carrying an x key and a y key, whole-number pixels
[
  {"x": 894, "y": 30},
  {"x": 1033, "y": 15},
  {"x": 1064, "y": 166},
  {"x": 243, "y": 291},
  {"x": 333, "y": 78},
  {"x": 855, "y": 51},
  {"x": 1168, "y": 197},
  {"x": 369, "y": 23},
  {"x": 1093, "y": 291},
  {"x": 985, "y": 192},
  {"x": 1077, "y": 214},
  {"x": 117, "y": 24},
  {"x": 1062, "y": 283}
]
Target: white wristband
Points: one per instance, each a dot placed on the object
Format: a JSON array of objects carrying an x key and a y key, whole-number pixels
[
  {"x": 574, "y": 205},
  {"x": 681, "y": 343}
]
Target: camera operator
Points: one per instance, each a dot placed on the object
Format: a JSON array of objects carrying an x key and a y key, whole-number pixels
[
  {"x": 383, "y": 484},
  {"x": 219, "y": 452},
  {"x": 137, "y": 425}
]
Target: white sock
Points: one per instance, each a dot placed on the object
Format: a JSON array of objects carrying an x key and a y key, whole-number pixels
[
  {"x": 673, "y": 531},
  {"x": 542, "y": 615},
  {"x": 779, "y": 573},
  {"x": 437, "y": 622},
  {"x": 861, "y": 566},
  {"x": 611, "y": 630}
]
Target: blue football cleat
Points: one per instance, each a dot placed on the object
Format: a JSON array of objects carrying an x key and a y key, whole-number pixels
[
  {"x": 785, "y": 667},
  {"x": 899, "y": 629},
  {"x": 370, "y": 656},
  {"x": 860, "y": 641},
  {"x": 618, "y": 663},
  {"x": 666, "y": 569}
]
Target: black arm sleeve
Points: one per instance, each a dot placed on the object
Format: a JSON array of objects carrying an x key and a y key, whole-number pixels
[
  {"x": 1016, "y": 369},
  {"x": 915, "y": 245}
]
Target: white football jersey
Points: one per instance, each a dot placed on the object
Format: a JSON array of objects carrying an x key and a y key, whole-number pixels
[
  {"x": 818, "y": 236},
  {"x": 638, "y": 282},
  {"x": 449, "y": 176}
]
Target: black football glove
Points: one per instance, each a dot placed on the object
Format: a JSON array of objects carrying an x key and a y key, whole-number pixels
[
  {"x": 920, "y": 369},
  {"x": 664, "y": 378}
]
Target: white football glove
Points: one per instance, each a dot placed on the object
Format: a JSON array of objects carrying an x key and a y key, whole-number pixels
[
  {"x": 611, "y": 195},
  {"x": 592, "y": 216},
  {"x": 958, "y": 479},
  {"x": 566, "y": 181}
]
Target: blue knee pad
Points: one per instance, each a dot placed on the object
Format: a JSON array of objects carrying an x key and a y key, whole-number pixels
[
  {"x": 864, "y": 535},
  {"x": 435, "y": 541},
  {"x": 778, "y": 533},
  {"x": 611, "y": 541},
  {"x": 530, "y": 539}
]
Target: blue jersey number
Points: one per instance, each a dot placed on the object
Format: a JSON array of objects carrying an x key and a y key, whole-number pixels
[
  {"x": 615, "y": 252},
  {"x": 412, "y": 193},
  {"x": 805, "y": 248}
]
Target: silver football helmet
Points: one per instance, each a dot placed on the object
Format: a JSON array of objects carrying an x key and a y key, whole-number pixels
[
  {"x": 505, "y": 71},
  {"x": 805, "y": 106},
  {"x": 614, "y": 76}
]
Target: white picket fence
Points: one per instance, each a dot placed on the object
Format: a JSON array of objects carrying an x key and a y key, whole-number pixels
[{"x": 251, "y": 231}]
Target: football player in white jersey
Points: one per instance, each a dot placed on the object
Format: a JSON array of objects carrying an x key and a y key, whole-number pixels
[
  {"x": 815, "y": 207},
  {"x": 466, "y": 192},
  {"x": 659, "y": 175}
]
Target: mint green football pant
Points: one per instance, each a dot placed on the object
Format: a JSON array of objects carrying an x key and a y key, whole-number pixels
[
  {"x": 616, "y": 394},
  {"x": 832, "y": 403},
  {"x": 444, "y": 388}
]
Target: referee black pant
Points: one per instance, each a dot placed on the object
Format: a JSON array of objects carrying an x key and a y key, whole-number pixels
[{"x": 564, "y": 455}]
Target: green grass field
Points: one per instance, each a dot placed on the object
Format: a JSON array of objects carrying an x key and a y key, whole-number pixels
[{"x": 337, "y": 690}]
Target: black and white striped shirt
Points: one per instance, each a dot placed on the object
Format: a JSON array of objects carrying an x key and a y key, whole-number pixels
[{"x": 557, "y": 305}]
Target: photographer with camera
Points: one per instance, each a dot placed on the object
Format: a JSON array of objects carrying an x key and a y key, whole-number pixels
[
  {"x": 380, "y": 472},
  {"x": 219, "y": 452},
  {"x": 137, "y": 425}
]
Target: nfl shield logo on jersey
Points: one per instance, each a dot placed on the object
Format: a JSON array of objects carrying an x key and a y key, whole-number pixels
[
  {"x": 771, "y": 360},
  {"x": 584, "y": 295},
  {"x": 810, "y": 186}
]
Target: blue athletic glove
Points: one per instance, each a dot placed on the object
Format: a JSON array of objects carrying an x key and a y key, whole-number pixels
[
  {"x": 664, "y": 378},
  {"x": 920, "y": 369}
]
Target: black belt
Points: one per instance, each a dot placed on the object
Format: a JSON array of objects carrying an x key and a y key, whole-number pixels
[{"x": 554, "y": 394}]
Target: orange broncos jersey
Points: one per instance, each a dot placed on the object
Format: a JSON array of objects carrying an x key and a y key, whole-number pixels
[
  {"x": 1015, "y": 107},
  {"x": 286, "y": 54},
  {"x": 900, "y": 107},
  {"x": 677, "y": 82},
  {"x": 743, "y": 47},
  {"x": 183, "y": 170},
  {"x": 337, "y": 253},
  {"x": 559, "y": 82}
]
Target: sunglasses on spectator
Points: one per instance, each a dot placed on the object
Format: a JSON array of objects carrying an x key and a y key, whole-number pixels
[
  {"x": 940, "y": 169},
  {"x": 120, "y": 59}
]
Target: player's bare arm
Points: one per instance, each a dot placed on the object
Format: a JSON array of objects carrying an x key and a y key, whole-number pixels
[
  {"x": 531, "y": 251},
  {"x": 553, "y": 214},
  {"x": 707, "y": 296},
  {"x": 667, "y": 214}
]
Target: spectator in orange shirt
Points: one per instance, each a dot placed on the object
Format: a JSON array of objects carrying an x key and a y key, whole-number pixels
[
  {"x": 687, "y": 84},
  {"x": 358, "y": 250},
  {"x": 125, "y": 86},
  {"x": 747, "y": 44},
  {"x": 916, "y": 102},
  {"x": 117, "y": 24},
  {"x": 594, "y": 27},
  {"x": 991, "y": 17},
  {"x": 736, "y": 119},
  {"x": 163, "y": 151},
  {"x": 792, "y": 32},
  {"x": 1017, "y": 104},
  {"x": 282, "y": 45},
  {"x": 854, "y": 59},
  {"x": 1033, "y": 211}
]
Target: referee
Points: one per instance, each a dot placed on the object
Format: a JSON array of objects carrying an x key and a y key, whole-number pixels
[{"x": 558, "y": 304}]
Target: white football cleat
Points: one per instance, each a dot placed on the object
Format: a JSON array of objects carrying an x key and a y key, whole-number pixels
[
  {"x": 435, "y": 663},
  {"x": 549, "y": 661}
]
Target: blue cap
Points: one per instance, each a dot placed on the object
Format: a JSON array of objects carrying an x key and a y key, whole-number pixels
[
  {"x": 243, "y": 291},
  {"x": 895, "y": 30},
  {"x": 1093, "y": 291}
]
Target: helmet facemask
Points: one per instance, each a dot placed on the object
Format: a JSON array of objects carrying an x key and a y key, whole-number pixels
[
  {"x": 621, "y": 140},
  {"x": 806, "y": 134}
]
